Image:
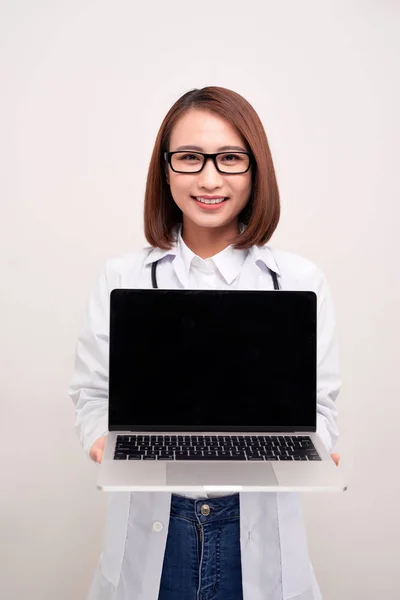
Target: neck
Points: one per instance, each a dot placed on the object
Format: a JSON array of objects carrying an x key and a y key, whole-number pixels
[{"x": 208, "y": 241}]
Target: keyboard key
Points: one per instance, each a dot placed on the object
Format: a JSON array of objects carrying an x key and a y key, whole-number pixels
[
  {"x": 208, "y": 458},
  {"x": 307, "y": 444},
  {"x": 211, "y": 447}
]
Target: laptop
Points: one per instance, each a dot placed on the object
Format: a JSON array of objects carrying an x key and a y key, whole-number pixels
[{"x": 213, "y": 391}]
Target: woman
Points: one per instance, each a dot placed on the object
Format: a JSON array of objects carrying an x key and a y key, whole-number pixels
[{"x": 211, "y": 205}]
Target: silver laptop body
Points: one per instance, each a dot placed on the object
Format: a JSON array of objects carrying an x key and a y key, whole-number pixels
[{"x": 213, "y": 390}]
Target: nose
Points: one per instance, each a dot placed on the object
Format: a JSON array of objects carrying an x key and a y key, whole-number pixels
[{"x": 209, "y": 177}]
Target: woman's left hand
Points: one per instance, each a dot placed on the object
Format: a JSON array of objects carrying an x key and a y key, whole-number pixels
[{"x": 336, "y": 458}]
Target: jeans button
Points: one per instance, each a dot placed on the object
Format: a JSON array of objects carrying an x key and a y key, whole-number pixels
[{"x": 205, "y": 510}]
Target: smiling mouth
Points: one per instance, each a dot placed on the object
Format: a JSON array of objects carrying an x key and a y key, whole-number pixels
[{"x": 209, "y": 201}]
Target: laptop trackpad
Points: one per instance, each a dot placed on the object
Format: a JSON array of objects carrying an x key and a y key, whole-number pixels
[{"x": 220, "y": 474}]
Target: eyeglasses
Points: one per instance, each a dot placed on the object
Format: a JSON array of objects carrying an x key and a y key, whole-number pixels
[{"x": 233, "y": 163}]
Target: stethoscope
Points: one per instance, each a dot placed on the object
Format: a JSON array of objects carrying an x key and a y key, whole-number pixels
[{"x": 155, "y": 286}]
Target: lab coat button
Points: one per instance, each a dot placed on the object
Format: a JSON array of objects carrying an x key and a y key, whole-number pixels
[{"x": 158, "y": 526}]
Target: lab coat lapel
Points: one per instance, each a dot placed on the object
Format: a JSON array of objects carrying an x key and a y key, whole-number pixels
[{"x": 255, "y": 276}]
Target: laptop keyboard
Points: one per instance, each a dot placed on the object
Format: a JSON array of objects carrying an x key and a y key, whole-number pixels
[{"x": 212, "y": 447}]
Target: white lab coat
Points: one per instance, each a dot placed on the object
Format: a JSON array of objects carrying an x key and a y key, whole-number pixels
[{"x": 275, "y": 560}]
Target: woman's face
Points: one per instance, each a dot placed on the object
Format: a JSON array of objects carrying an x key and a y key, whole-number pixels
[{"x": 209, "y": 133}]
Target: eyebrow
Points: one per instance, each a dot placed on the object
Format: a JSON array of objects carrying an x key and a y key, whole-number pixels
[{"x": 221, "y": 149}]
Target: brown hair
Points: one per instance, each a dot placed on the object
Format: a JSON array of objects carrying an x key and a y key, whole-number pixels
[{"x": 261, "y": 215}]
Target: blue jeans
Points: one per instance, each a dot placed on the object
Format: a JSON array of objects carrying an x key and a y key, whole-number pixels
[{"x": 202, "y": 555}]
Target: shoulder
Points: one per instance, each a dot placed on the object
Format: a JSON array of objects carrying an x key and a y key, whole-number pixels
[
  {"x": 293, "y": 265},
  {"x": 125, "y": 262},
  {"x": 122, "y": 269},
  {"x": 296, "y": 271}
]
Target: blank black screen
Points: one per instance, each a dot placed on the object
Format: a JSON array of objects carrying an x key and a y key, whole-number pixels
[{"x": 214, "y": 360}]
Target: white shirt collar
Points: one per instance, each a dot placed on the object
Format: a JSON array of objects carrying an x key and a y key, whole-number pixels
[{"x": 229, "y": 261}]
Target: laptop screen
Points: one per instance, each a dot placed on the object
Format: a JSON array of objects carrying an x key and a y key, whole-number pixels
[{"x": 195, "y": 360}]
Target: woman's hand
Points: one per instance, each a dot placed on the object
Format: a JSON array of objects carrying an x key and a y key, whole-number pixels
[
  {"x": 336, "y": 458},
  {"x": 96, "y": 451}
]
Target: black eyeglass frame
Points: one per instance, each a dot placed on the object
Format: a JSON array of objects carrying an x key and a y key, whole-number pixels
[{"x": 168, "y": 158}]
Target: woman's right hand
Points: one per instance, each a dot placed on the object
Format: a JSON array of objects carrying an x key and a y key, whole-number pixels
[{"x": 96, "y": 451}]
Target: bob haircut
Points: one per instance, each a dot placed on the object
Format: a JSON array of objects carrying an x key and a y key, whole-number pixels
[{"x": 262, "y": 212}]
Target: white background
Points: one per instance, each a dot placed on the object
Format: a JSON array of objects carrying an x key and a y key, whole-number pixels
[{"x": 84, "y": 88}]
